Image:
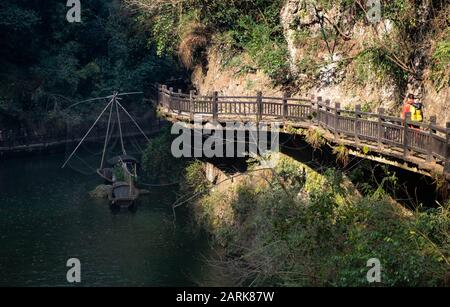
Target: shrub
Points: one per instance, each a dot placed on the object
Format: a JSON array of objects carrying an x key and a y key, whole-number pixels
[
  {"x": 440, "y": 68},
  {"x": 266, "y": 49},
  {"x": 158, "y": 163},
  {"x": 195, "y": 177},
  {"x": 119, "y": 172},
  {"x": 163, "y": 26},
  {"x": 274, "y": 239},
  {"x": 342, "y": 154},
  {"x": 374, "y": 64},
  {"x": 314, "y": 138},
  {"x": 250, "y": 26},
  {"x": 308, "y": 65},
  {"x": 191, "y": 43}
]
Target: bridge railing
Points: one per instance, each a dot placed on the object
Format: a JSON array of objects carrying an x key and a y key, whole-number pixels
[{"x": 403, "y": 138}]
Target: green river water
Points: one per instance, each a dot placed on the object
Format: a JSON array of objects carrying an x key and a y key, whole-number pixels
[{"x": 47, "y": 217}]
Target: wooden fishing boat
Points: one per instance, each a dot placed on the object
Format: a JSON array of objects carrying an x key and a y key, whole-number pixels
[
  {"x": 107, "y": 173},
  {"x": 123, "y": 195},
  {"x": 122, "y": 158}
]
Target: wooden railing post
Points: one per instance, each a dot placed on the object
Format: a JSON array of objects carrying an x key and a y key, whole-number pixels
[
  {"x": 327, "y": 118},
  {"x": 337, "y": 113},
  {"x": 431, "y": 133},
  {"x": 406, "y": 133},
  {"x": 191, "y": 104},
  {"x": 164, "y": 97},
  {"x": 447, "y": 159},
  {"x": 179, "y": 101},
  {"x": 259, "y": 105},
  {"x": 380, "y": 127},
  {"x": 319, "y": 101},
  {"x": 285, "y": 107},
  {"x": 215, "y": 107},
  {"x": 357, "y": 122},
  {"x": 170, "y": 98}
]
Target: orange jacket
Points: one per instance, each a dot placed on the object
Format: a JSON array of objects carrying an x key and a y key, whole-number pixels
[{"x": 406, "y": 109}]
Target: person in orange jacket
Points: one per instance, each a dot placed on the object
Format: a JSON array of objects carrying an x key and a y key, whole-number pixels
[
  {"x": 415, "y": 109},
  {"x": 407, "y": 106}
]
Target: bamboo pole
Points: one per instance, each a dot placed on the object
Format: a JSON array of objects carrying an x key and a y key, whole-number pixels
[
  {"x": 106, "y": 137},
  {"x": 120, "y": 126},
  {"x": 132, "y": 119},
  {"x": 87, "y": 133}
]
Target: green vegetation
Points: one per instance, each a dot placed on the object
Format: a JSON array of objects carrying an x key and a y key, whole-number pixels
[
  {"x": 49, "y": 63},
  {"x": 342, "y": 154},
  {"x": 195, "y": 177},
  {"x": 440, "y": 69},
  {"x": 309, "y": 66},
  {"x": 158, "y": 163},
  {"x": 187, "y": 27},
  {"x": 266, "y": 47},
  {"x": 375, "y": 64},
  {"x": 281, "y": 230},
  {"x": 119, "y": 172},
  {"x": 315, "y": 138},
  {"x": 365, "y": 180},
  {"x": 388, "y": 49}
]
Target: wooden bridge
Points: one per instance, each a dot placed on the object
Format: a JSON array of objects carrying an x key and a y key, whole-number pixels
[{"x": 424, "y": 147}]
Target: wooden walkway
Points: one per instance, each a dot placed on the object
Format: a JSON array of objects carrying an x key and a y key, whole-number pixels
[{"x": 425, "y": 148}]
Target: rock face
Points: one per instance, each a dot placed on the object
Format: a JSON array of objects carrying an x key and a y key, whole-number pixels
[
  {"x": 310, "y": 35},
  {"x": 296, "y": 14},
  {"x": 288, "y": 20},
  {"x": 230, "y": 81},
  {"x": 332, "y": 81},
  {"x": 335, "y": 81}
]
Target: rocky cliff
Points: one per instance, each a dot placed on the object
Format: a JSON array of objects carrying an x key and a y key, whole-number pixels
[{"x": 336, "y": 51}]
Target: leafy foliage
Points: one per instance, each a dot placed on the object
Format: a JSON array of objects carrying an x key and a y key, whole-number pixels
[
  {"x": 342, "y": 154},
  {"x": 268, "y": 53},
  {"x": 195, "y": 177},
  {"x": 374, "y": 64},
  {"x": 158, "y": 163},
  {"x": 119, "y": 172},
  {"x": 314, "y": 138},
  {"x": 441, "y": 62},
  {"x": 253, "y": 27},
  {"x": 320, "y": 233},
  {"x": 48, "y": 63}
]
